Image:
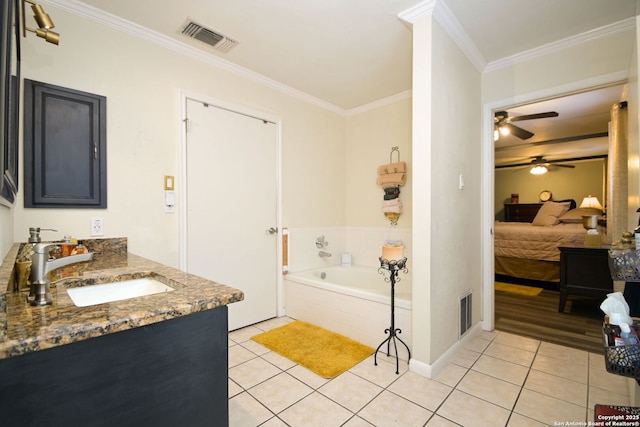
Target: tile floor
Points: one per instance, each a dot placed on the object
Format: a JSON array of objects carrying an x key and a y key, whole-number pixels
[{"x": 498, "y": 379}]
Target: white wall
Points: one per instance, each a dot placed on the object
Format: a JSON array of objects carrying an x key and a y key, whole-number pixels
[
  {"x": 558, "y": 72},
  {"x": 142, "y": 82},
  {"x": 370, "y": 137},
  {"x": 446, "y": 219},
  {"x": 456, "y": 227}
]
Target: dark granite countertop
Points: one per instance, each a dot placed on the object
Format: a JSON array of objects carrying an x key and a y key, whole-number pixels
[{"x": 24, "y": 328}]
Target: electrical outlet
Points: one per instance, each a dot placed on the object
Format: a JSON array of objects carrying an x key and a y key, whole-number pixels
[{"x": 97, "y": 227}]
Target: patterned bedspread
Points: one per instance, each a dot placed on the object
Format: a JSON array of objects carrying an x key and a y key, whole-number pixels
[{"x": 523, "y": 240}]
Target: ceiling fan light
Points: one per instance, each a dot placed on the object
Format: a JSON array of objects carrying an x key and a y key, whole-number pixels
[
  {"x": 538, "y": 170},
  {"x": 504, "y": 131}
]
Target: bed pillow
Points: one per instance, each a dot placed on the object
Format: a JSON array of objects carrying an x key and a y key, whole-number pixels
[
  {"x": 574, "y": 216},
  {"x": 550, "y": 213}
]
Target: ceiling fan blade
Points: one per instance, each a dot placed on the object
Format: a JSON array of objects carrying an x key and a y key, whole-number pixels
[
  {"x": 534, "y": 116},
  {"x": 519, "y": 132},
  {"x": 561, "y": 165}
]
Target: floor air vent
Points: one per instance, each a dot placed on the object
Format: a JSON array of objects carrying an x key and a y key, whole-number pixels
[
  {"x": 212, "y": 38},
  {"x": 465, "y": 313}
]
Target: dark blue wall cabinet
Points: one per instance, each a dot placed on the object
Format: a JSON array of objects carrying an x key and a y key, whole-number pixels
[{"x": 65, "y": 162}]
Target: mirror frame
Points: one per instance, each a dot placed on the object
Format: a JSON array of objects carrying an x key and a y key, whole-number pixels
[{"x": 9, "y": 99}]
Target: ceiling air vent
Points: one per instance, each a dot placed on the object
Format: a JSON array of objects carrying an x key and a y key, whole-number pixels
[{"x": 217, "y": 40}]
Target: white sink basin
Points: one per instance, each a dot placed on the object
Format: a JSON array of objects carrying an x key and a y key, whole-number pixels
[{"x": 84, "y": 296}]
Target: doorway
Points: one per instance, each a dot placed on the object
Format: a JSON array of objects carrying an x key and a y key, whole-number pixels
[
  {"x": 489, "y": 163},
  {"x": 230, "y": 167}
]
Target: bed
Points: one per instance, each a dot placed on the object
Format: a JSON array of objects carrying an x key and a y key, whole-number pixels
[{"x": 529, "y": 250}]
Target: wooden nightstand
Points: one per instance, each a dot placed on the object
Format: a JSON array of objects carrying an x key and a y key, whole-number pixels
[
  {"x": 584, "y": 271},
  {"x": 521, "y": 212}
]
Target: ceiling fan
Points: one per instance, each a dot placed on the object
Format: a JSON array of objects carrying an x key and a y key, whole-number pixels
[
  {"x": 540, "y": 165},
  {"x": 503, "y": 125},
  {"x": 540, "y": 160}
]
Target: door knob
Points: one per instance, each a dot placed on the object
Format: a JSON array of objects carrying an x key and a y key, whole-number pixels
[{"x": 272, "y": 230}]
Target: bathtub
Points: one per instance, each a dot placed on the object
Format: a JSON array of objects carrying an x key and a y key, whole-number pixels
[{"x": 354, "y": 301}]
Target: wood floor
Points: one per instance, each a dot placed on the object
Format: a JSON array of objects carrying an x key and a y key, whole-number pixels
[{"x": 580, "y": 326}]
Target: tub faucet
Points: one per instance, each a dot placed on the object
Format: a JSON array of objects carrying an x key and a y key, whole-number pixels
[
  {"x": 323, "y": 254},
  {"x": 321, "y": 243},
  {"x": 41, "y": 265}
]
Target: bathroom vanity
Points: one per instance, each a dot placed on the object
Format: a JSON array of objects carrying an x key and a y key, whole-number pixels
[{"x": 156, "y": 360}]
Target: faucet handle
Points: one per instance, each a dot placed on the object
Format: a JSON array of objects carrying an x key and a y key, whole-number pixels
[{"x": 321, "y": 243}]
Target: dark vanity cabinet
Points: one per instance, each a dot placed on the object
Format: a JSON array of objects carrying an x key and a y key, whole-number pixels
[
  {"x": 64, "y": 147},
  {"x": 167, "y": 374}
]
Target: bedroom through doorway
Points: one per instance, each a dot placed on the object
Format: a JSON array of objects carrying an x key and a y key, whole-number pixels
[{"x": 567, "y": 140}]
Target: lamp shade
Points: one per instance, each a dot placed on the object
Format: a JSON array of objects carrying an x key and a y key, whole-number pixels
[{"x": 591, "y": 202}]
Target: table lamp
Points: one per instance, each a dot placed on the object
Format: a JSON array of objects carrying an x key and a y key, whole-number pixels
[{"x": 590, "y": 222}]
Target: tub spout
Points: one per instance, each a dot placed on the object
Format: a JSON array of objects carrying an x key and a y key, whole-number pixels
[{"x": 323, "y": 254}]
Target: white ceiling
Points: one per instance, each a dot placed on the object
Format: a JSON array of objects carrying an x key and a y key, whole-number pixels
[{"x": 350, "y": 53}]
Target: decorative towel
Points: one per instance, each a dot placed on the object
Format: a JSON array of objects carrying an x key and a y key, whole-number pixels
[
  {"x": 391, "y": 193},
  {"x": 398, "y": 167},
  {"x": 392, "y": 206},
  {"x": 391, "y": 203},
  {"x": 391, "y": 179}
]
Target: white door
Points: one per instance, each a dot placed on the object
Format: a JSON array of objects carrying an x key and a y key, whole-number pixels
[{"x": 231, "y": 172}]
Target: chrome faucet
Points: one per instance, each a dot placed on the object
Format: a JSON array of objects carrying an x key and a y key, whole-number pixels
[
  {"x": 323, "y": 254},
  {"x": 41, "y": 265},
  {"x": 321, "y": 243}
]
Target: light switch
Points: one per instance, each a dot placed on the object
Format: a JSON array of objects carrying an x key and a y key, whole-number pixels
[
  {"x": 170, "y": 201},
  {"x": 461, "y": 182},
  {"x": 170, "y": 197}
]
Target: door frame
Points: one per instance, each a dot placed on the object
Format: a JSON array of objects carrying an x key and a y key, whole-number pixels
[
  {"x": 184, "y": 96},
  {"x": 488, "y": 177}
]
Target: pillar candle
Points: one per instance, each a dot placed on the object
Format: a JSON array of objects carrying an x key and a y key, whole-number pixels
[{"x": 392, "y": 253}]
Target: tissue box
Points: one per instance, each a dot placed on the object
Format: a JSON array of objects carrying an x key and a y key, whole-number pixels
[{"x": 624, "y": 359}]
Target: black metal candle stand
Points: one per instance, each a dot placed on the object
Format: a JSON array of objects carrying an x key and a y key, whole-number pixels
[{"x": 393, "y": 267}]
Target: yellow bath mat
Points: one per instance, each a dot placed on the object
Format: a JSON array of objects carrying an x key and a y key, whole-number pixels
[
  {"x": 324, "y": 352},
  {"x": 518, "y": 289}
]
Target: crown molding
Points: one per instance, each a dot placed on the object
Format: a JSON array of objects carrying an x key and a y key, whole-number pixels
[
  {"x": 119, "y": 24},
  {"x": 445, "y": 17},
  {"x": 411, "y": 15},
  {"x": 557, "y": 46},
  {"x": 441, "y": 12},
  {"x": 380, "y": 103}
]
